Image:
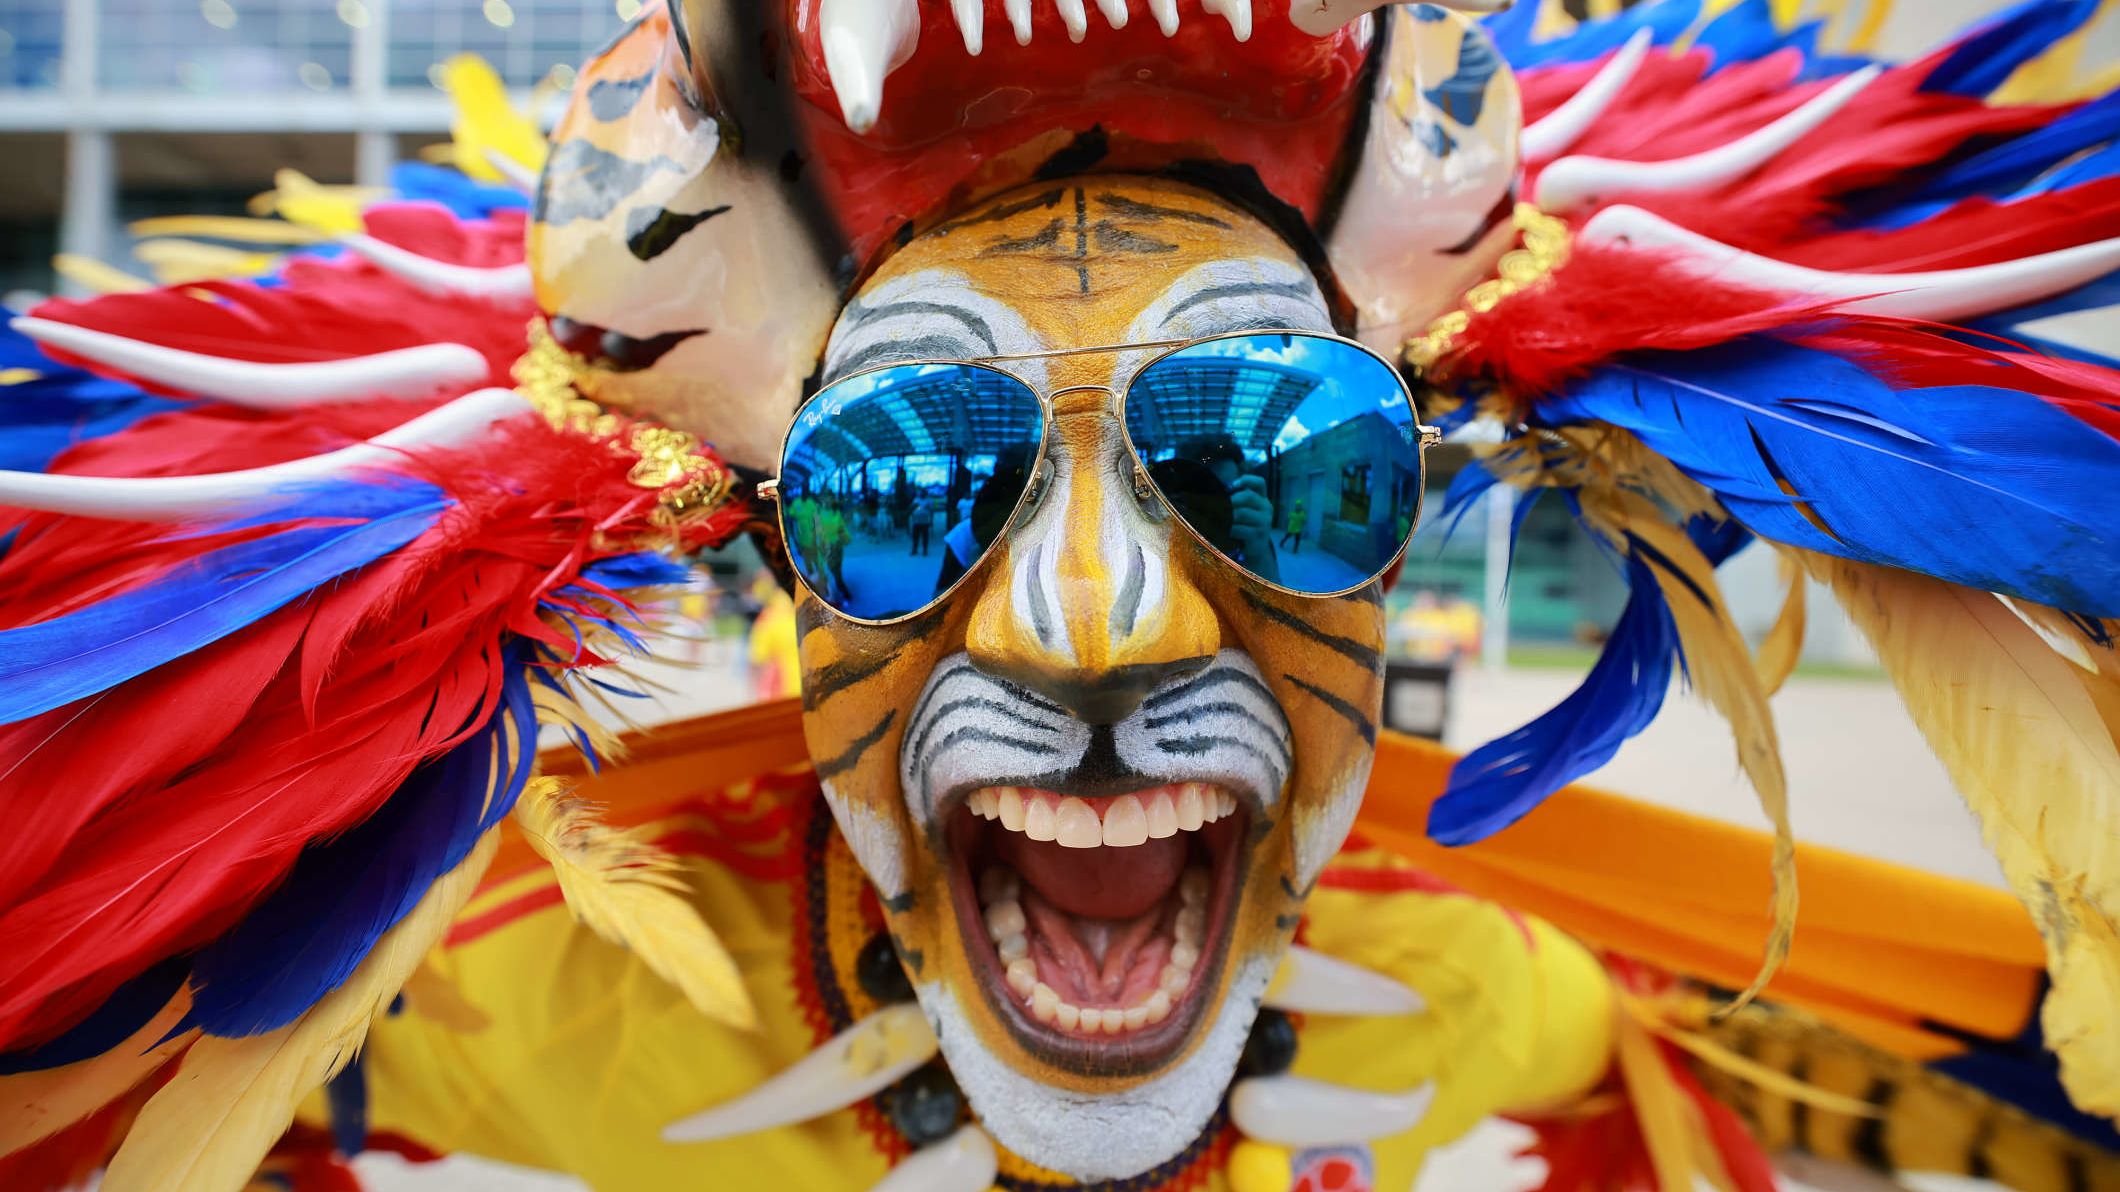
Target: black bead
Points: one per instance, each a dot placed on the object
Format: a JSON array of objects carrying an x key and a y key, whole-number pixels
[
  {"x": 925, "y": 1105},
  {"x": 1272, "y": 1045},
  {"x": 879, "y": 972}
]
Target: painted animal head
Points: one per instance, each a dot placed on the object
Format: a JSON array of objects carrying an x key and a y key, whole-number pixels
[{"x": 1095, "y": 783}]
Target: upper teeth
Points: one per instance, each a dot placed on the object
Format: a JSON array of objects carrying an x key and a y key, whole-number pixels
[{"x": 1123, "y": 822}]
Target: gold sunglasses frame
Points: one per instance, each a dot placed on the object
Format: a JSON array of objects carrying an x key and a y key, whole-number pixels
[{"x": 1144, "y": 483}]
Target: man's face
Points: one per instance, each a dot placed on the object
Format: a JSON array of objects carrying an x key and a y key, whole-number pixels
[{"x": 1094, "y": 785}]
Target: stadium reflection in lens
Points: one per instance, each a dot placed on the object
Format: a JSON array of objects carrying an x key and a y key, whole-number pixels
[
  {"x": 1297, "y": 456},
  {"x": 895, "y": 482}
]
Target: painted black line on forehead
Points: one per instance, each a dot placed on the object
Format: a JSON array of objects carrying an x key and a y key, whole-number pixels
[{"x": 860, "y": 314}]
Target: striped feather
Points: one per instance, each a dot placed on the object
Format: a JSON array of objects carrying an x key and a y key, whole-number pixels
[
  {"x": 1721, "y": 668},
  {"x": 210, "y": 1126},
  {"x": 627, "y": 891},
  {"x": 2029, "y": 739}
]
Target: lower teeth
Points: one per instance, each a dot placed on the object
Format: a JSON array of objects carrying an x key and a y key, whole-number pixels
[{"x": 1007, "y": 926}]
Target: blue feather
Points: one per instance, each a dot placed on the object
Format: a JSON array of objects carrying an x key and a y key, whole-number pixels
[
  {"x": 119, "y": 1018},
  {"x": 2036, "y": 162},
  {"x": 1512, "y": 32},
  {"x": 52, "y": 663},
  {"x": 1498, "y": 783},
  {"x": 1984, "y": 487},
  {"x": 307, "y": 937},
  {"x": 1984, "y": 59},
  {"x": 346, "y": 1097},
  {"x": 465, "y": 197}
]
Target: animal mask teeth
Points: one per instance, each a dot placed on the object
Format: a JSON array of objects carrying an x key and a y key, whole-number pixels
[
  {"x": 1136, "y": 1006},
  {"x": 1122, "y": 822}
]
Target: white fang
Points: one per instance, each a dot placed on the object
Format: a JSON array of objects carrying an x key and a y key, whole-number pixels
[
  {"x": 1566, "y": 124},
  {"x": 1115, "y": 13},
  {"x": 1296, "y": 1112},
  {"x": 1075, "y": 17},
  {"x": 963, "y": 1162},
  {"x": 1019, "y": 19},
  {"x": 421, "y": 371},
  {"x": 864, "y": 41},
  {"x": 1575, "y": 182},
  {"x": 855, "y": 1063},
  {"x": 1943, "y": 295},
  {"x": 441, "y": 277},
  {"x": 225, "y": 494},
  {"x": 971, "y": 23},
  {"x": 1313, "y": 983},
  {"x": 1236, "y": 12},
  {"x": 1166, "y": 14}
]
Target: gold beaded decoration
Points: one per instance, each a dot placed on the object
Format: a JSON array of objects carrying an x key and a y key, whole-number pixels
[
  {"x": 1544, "y": 249},
  {"x": 549, "y": 377}
]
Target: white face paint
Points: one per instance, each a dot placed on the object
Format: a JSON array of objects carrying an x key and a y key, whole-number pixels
[{"x": 1103, "y": 1136}]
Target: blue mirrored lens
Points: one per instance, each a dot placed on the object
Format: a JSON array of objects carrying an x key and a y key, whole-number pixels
[
  {"x": 1295, "y": 455},
  {"x": 895, "y": 482}
]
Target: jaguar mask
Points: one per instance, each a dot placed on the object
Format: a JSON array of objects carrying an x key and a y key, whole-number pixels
[{"x": 1093, "y": 785}]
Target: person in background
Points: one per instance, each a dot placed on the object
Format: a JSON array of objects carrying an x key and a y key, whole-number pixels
[
  {"x": 1298, "y": 517},
  {"x": 923, "y": 523}
]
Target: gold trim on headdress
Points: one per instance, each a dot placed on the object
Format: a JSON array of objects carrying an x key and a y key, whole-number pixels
[{"x": 551, "y": 379}]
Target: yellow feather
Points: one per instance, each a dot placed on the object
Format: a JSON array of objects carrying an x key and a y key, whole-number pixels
[
  {"x": 627, "y": 891},
  {"x": 36, "y": 1105},
  {"x": 226, "y": 227},
  {"x": 1659, "y": 1107},
  {"x": 433, "y": 996},
  {"x": 487, "y": 122},
  {"x": 1722, "y": 670},
  {"x": 1779, "y": 650},
  {"x": 2022, "y": 731},
  {"x": 210, "y": 1126},
  {"x": 93, "y": 274}
]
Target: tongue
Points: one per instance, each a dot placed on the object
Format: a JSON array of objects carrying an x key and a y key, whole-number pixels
[{"x": 1097, "y": 883}]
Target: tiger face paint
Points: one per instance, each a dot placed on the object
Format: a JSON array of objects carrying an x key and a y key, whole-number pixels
[{"x": 1093, "y": 786}]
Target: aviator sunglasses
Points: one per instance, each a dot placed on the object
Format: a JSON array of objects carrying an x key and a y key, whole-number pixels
[{"x": 1294, "y": 456}]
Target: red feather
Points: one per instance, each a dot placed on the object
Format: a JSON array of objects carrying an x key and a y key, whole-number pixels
[
  {"x": 1604, "y": 300},
  {"x": 1668, "y": 110},
  {"x": 329, "y": 309},
  {"x": 1974, "y": 232},
  {"x": 353, "y": 688}
]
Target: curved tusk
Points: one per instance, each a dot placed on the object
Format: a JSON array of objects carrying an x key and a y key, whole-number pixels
[
  {"x": 1295, "y": 1111},
  {"x": 519, "y": 176},
  {"x": 1575, "y": 182},
  {"x": 963, "y": 1162},
  {"x": 1566, "y": 124},
  {"x": 1313, "y": 983},
  {"x": 223, "y": 494},
  {"x": 1321, "y": 17},
  {"x": 864, "y": 41},
  {"x": 1943, "y": 295},
  {"x": 498, "y": 282},
  {"x": 1166, "y": 14},
  {"x": 405, "y": 372},
  {"x": 855, "y": 1063}
]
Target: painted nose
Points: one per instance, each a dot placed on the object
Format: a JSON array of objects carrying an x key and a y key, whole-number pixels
[{"x": 1090, "y": 608}]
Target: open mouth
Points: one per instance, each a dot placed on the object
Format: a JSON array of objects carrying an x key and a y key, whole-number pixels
[{"x": 1097, "y": 924}]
